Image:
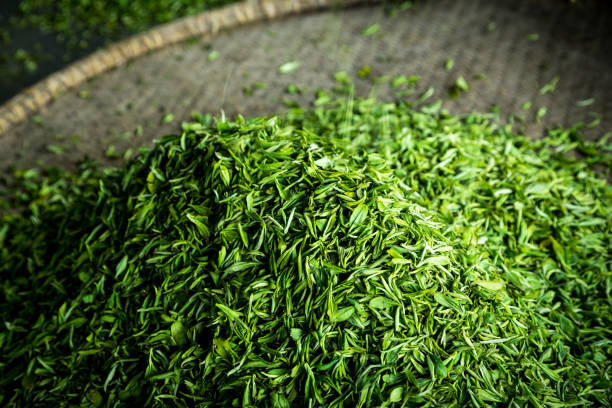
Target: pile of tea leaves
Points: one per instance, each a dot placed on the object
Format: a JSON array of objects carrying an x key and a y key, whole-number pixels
[{"x": 358, "y": 254}]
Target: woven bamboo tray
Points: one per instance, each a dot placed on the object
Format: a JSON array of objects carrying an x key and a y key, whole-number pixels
[{"x": 118, "y": 95}]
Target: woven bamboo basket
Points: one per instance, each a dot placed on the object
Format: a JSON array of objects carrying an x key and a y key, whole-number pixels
[{"x": 117, "y": 95}]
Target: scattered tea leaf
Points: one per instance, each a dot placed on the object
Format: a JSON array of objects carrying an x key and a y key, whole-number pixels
[
  {"x": 365, "y": 71},
  {"x": 461, "y": 84},
  {"x": 449, "y": 64},
  {"x": 371, "y": 30},
  {"x": 585, "y": 102},
  {"x": 289, "y": 67},
  {"x": 533, "y": 37},
  {"x": 549, "y": 87},
  {"x": 213, "y": 55}
]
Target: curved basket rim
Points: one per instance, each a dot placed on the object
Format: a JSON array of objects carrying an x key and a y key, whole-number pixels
[{"x": 207, "y": 23}]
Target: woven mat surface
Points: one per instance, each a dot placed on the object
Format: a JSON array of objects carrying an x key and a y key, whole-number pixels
[{"x": 124, "y": 106}]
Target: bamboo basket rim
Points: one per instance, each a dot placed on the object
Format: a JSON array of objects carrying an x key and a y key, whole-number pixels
[{"x": 208, "y": 23}]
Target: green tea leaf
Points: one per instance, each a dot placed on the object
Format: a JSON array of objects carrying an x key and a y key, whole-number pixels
[
  {"x": 289, "y": 67},
  {"x": 371, "y": 30},
  {"x": 381, "y": 302},
  {"x": 493, "y": 286}
]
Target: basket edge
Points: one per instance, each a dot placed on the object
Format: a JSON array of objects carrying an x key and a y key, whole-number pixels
[{"x": 37, "y": 96}]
